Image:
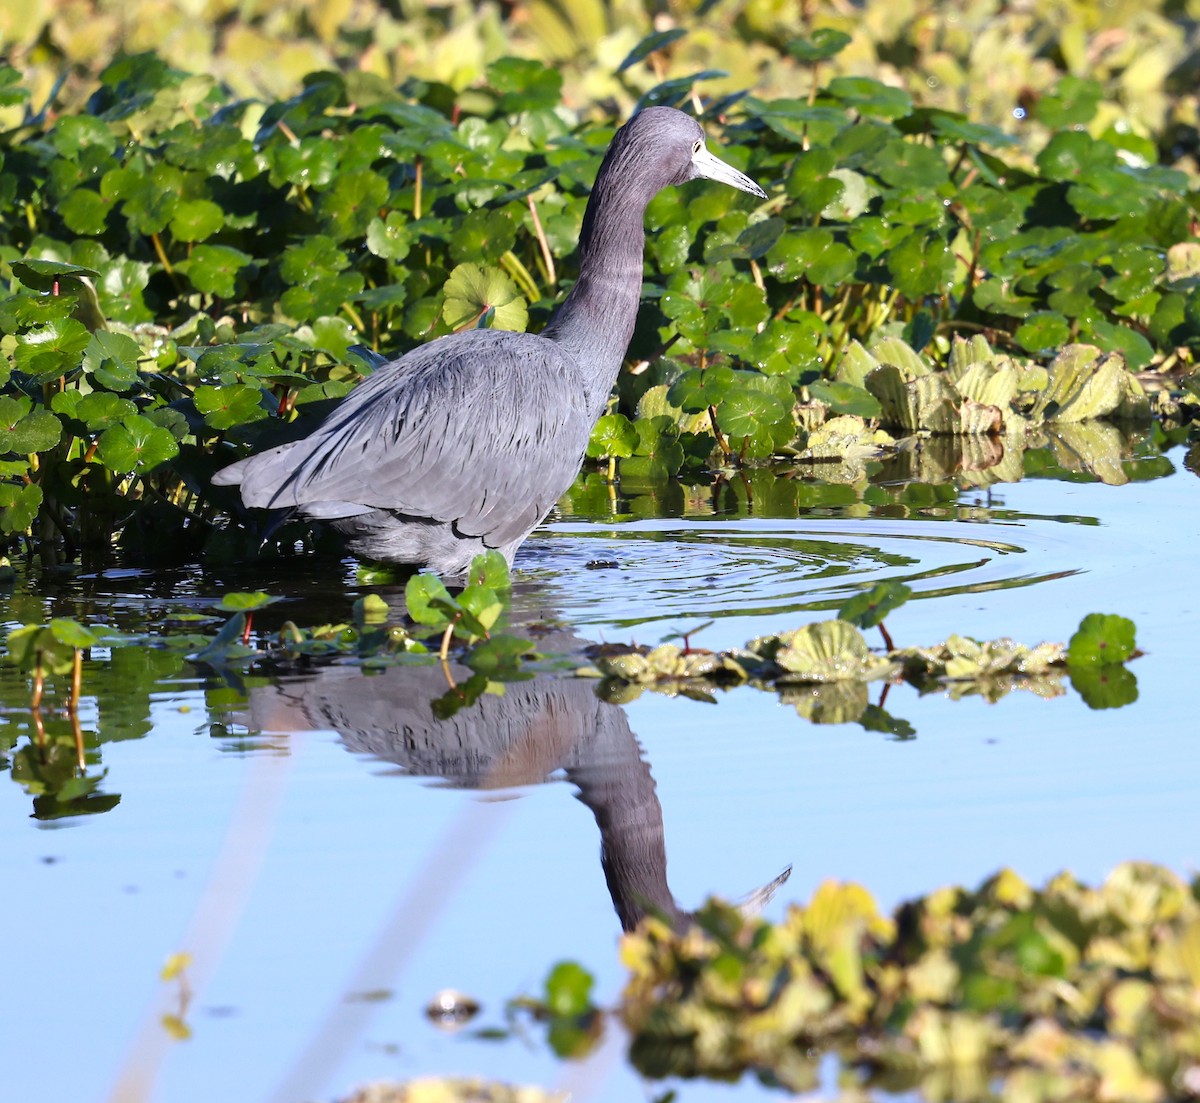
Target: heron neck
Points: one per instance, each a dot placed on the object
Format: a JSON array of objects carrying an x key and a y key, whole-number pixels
[{"x": 595, "y": 322}]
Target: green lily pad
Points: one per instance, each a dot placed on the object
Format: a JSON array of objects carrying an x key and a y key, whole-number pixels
[
  {"x": 230, "y": 405},
  {"x": 845, "y": 398},
  {"x": 98, "y": 410},
  {"x": 196, "y": 219},
  {"x": 868, "y": 609},
  {"x": 821, "y": 45},
  {"x": 1042, "y": 332},
  {"x": 42, "y": 275},
  {"x": 871, "y": 97},
  {"x": 471, "y": 292},
  {"x": 52, "y": 350},
  {"x": 612, "y": 435},
  {"x": 214, "y": 269},
  {"x": 245, "y": 602},
  {"x": 136, "y": 446},
  {"x": 24, "y": 430},
  {"x": 422, "y": 593},
  {"x": 19, "y": 506},
  {"x": 1102, "y": 639}
]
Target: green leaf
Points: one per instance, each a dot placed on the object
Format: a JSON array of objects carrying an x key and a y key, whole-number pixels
[
  {"x": 1102, "y": 639},
  {"x": 845, "y": 398},
  {"x": 698, "y": 388},
  {"x": 52, "y": 350},
  {"x": 85, "y": 211},
  {"x": 214, "y": 269},
  {"x": 489, "y": 568},
  {"x": 1072, "y": 103},
  {"x": 649, "y": 45},
  {"x": 97, "y": 410},
  {"x": 472, "y": 291},
  {"x": 871, "y": 97},
  {"x": 355, "y": 198},
  {"x": 921, "y": 265},
  {"x": 1111, "y": 686},
  {"x": 909, "y": 165},
  {"x": 1043, "y": 332},
  {"x": 389, "y": 237},
  {"x": 19, "y": 506},
  {"x": 1070, "y": 153},
  {"x": 814, "y": 254},
  {"x": 524, "y": 84},
  {"x": 42, "y": 275},
  {"x": 196, "y": 219},
  {"x": 245, "y": 602},
  {"x": 226, "y": 646},
  {"x": 824, "y": 43},
  {"x": 612, "y": 435},
  {"x": 24, "y": 430},
  {"x": 112, "y": 357},
  {"x": 73, "y": 634},
  {"x": 868, "y": 609},
  {"x": 569, "y": 990},
  {"x": 421, "y": 593},
  {"x": 316, "y": 256},
  {"x": 500, "y": 657},
  {"x": 137, "y": 445},
  {"x": 225, "y": 406},
  {"x": 483, "y": 604}
]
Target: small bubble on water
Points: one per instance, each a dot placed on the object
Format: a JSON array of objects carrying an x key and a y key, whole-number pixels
[
  {"x": 933, "y": 82},
  {"x": 1018, "y": 113}
]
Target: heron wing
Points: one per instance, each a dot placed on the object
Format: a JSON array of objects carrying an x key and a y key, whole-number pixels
[{"x": 483, "y": 429}]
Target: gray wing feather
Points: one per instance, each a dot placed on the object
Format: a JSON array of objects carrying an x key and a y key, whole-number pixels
[{"x": 484, "y": 429}]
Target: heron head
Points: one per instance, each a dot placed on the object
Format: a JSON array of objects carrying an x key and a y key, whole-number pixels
[{"x": 661, "y": 146}]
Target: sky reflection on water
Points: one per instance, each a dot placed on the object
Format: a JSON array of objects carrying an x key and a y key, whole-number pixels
[{"x": 334, "y": 845}]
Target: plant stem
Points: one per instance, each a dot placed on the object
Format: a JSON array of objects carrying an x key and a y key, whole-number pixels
[
  {"x": 513, "y": 266},
  {"x": 39, "y": 684},
  {"x": 76, "y": 682},
  {"x": 547, "y": 256},
  {"x": 162, "y": 255},
  {"x": 722, "y": 443}
]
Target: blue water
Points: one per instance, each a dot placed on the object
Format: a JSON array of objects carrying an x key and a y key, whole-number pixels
[{"x": 302, "y": 875}]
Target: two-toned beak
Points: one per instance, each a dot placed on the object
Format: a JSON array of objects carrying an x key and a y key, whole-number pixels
[{"x": 712, "y": 167}]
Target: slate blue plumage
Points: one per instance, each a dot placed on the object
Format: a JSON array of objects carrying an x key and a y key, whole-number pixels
[{"x": 466, "y": 443}]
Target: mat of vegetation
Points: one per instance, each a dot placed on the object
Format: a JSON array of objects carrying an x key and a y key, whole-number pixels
[
  {"x": 189, "y": 272},
  {"x": 1006, "y": 992},
  {"x": 1000, "y": 62}
]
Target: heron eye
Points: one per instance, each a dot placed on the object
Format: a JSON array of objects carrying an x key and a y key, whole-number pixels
[{"x": 698, "y": 146}]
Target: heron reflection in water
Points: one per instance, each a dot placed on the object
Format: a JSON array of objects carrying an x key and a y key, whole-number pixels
[{"x": 526, "y": 736}]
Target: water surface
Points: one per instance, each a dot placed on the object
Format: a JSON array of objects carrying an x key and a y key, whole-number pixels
[{"x": 333, "y": 857}]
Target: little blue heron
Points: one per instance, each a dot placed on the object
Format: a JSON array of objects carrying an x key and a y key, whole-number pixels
[{"x": 466, "y": 443}]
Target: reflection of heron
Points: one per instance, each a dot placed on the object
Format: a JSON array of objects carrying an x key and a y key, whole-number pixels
[
  {"x": 467, "y": 442},
  {"x": 535, "y": 729}
]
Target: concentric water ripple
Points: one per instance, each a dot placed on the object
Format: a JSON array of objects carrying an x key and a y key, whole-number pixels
[{"x": 650, "y": 571}]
